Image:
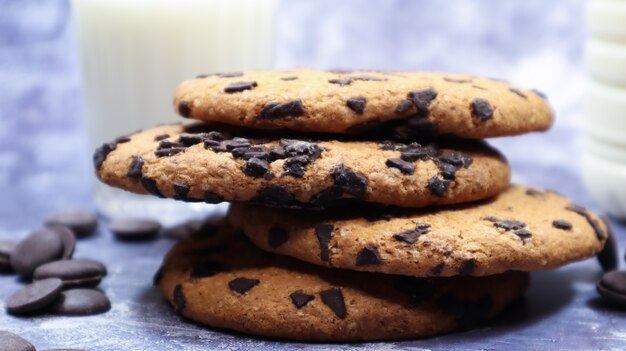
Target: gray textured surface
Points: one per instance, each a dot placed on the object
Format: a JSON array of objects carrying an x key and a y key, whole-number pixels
[{"x": 44, "y": 162}]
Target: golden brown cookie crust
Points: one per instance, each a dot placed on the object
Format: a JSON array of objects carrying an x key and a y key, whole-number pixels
[
  {"x": 154, "y": 161},
  {"x": 310, "y": 100},
  {"x": 224, "y": 282},
  {"x": 521, "y": 229}
]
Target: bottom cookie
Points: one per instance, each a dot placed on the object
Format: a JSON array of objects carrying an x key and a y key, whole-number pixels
[{"x": 219, "y": 279}]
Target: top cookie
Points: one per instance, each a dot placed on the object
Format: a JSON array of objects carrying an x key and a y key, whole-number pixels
[{"x": 400, "y": 105}]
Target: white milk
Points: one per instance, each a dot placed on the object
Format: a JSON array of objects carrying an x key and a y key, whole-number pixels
[
  {"x": 135, "y": 52},
  {"x": 604, "y": 155}
]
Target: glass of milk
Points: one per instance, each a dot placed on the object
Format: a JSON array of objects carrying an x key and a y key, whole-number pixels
[
  {"x": 604, "y": 154},
  {"x": 133, "y": 55}
]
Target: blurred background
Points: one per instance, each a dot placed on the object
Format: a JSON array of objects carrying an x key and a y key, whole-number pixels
[{"x": 533, "y": 43}]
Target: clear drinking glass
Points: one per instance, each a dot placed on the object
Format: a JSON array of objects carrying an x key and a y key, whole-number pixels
[{"x": 133, "y": 55}]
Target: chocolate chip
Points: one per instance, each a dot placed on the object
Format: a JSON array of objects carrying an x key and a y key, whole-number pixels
[
  {"x": 242, "y": 285},
  {"x": 121, "y": 140},
  {"x": 523, "y": 233},
  {"x": 276, "y": 237},
  {"x": 184, "y": 109},
  {"x": 592, "y": 222},
  {"x": 229, "y": 74},
  {"x": 203, "y": 269},
  {"x": 457, "y": 80},
  {"x": 289, "y": 78},
  {"x": 414, "y": 152},
  {"x": 38, "y": 248},
  {"x": 189, "y": 139},
  {"x": 6, "y": 248},
  {"x": 81, "y": 302},
  {"x": 34, "y": 297},
  {"x": 300, "y": 299},
  {"x": 136, "y": 165},
  {"x": 447, "y": 171},
  {"x": 404, "y": 106},
  {"x": 411, "y": 236},
  {"x": 341, "y": 82},
  {"x": 294, "y": 166},
  {"x": 179, "y": 299},
  {"x": 293, "y": 108},
  {"x": 349, "y": 181},
  {"x": 212, "y": 198},
  {"x": 134, "y": 228},
  {"x": 368, "y": 78},
  {"x": 239, "y": 87},
  {"x": 438, "y": 269},
  {"x": 324, "y": 233},
  {"x": 333, "y": 298},
  {"x": 13, "y": 342},
  {"x": 467, "y": 267},
  {"x": 236, "y": 143},
  {"x": 73, "y": 273},
  {"x": 161, "y": 137},
  {"x": 518, "y": 93},
  {"x": 506, "y": 224},
  {"x": 151, "y": 186},
  {"x": 533, "y": 192},
  {"x": 276, "y": 153},
  {"x": 255, "y": 167},
  {"x": 561, "y": 224},
  {"x": 404, "y": 166},
  {"x": 357, "y": 104},
  {"x": 481, "y": 109},
  {"x": 101, "y": 154},
  {"x": 418, "y": 289},
  {"x": 422, "y": 99},
  {"x": 438, "y": 186},
  {"x": 180, "y": 191},
  {"x": 608, "y": 256},
  {"x": 68, "y": 239},
  {"x": 276, "y": 196},
  {"x": 368, "y": 256},
  {"x": 457, "y": 159},
  {"x": 612, "y": 288}
]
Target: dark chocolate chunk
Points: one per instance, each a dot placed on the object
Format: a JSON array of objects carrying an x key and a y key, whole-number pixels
[
  {"x": 240, "y": 86},
  {"x": 169, "y": 151},
  {"x": 357, "y": 104},
  {"x": 608, "y": 256},
  {"x": 341, "y": 82},
  {"x": 612, "y": 288},
  {"x": 13, "y": 342},
  {"x": 413, "y": 152},
  {"x": 34, "y": 297},
  {"x": 293, "y": 108},
  {"x": 506, "y": 224},
  {"x": 422, "y": 99},
  {"x": 294, "y": 166},
  {"x": 212, "y": 198},
  {"x": 438, "y": 186},
  {"x": 457, "y": 159},
  {"x": 276, "y": 237},
  {"x": 411, "y": 236},
  {"x": 242, "y": 285},
  {"x": 134, "y": 228},
  {"x": 151, "y": 186},
  {"x": 301, "y": 148},
  {"x": 184, "y": 109},
  {"x": 447, "y": 171},
  {"x": 481, "y": 109},
  {"x": 189, "y": 139},
  {"x": 533, "y": 192},
  {"x": 40, "y": 247},
  {"x": 300, "y": 299},
  {"x": 276, "y": 153},
  {"x": 349, "y": 181},
  {"x": 438, "y": 269},
  {"x": 523, "y": 233},
  {"x": 276, "y": 196},
  {"x": 518, "y": 93},
  {"x": 455, "y": 80},
  {"x": 368, "y": 256},
  {"x": 333, "y": 298},
  {"x": 73, "y": 273},
  {"x": 404, "y": 166},
  {"x": 600, "y": 234},
  {"x": 368, "y": 78},
  {"x": 562, "y": 224},
  {"x": 121, "y": 140},
  {"x": 467, "y": 266},
  {"x": 180, "y": 301},
  {"x": 136, "y": 165},
  {"x": 180, "y": 190},
  {"x": 324, "y": 233},
  {"x": 289, "y": 78},
  {"x": 214, "y": 145},
  {"x": 81, "y": 222},
  {"x": 161, "y": 137},
  {"x": 101, "y": 154},
  {"x": 418, "y": 289},
  {"x": 235, "y": 143},
  {"x": 404, "y": 106},
  {"x": 229, "y": 74},
  {"x": 255, "y": 167},
  {"x": 478, "y": 87},
  {"x": 203, "y": 269}
]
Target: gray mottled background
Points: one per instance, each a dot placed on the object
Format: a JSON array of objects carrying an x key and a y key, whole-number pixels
[{"x": 45, "y": 162}]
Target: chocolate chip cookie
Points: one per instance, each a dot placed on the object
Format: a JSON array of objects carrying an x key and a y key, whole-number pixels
[
  {"x": 521, "y": 229},
  {"x": 221, "y": 280},
  {"x": 401, "y": 105},
  {"x": 201, "y": 163}
]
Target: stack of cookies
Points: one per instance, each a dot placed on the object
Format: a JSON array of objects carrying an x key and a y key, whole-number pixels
[{"x": 364, "y": 204}]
